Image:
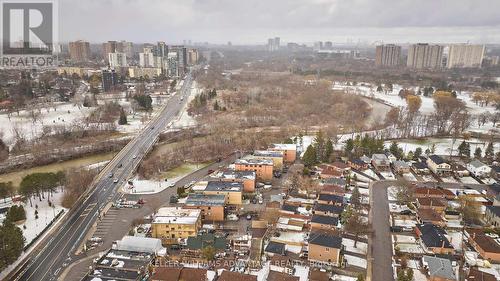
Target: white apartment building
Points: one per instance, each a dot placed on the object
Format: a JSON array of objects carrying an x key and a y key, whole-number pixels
[
  {"x": 117, "y": 60},
  {"x": 465, "y": 55}
]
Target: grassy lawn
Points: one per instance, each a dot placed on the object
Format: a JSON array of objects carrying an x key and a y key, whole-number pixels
[
  {"x": 16, "y": 177},
  {"x": 184, "y": 169}
]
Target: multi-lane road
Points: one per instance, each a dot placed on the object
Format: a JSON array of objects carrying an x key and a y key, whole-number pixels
[{"x": 61, "y": 244}]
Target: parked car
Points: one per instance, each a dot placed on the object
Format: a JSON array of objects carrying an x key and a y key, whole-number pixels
[
  {"x": 249, "y": 217},
  {"x": 396, "y": 229},
  {"x": 174, "y": 199},
  {"x": 232, "y": 217},
  {"x": 115, "y": 180}
]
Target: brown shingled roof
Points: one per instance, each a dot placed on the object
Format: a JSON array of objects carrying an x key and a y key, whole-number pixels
[
  {"x": 176, "y": 274},
  {"x": 476, "y": 275},
  {"x": 427, "y": 192},
  {"x": 431, "y": 202},
  {"x": 429, "y": 215},
  {"x": 236, "y": 276},
  {"x": 280, "y": 276}
]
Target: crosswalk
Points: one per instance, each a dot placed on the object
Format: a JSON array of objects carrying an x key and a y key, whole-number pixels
[{"x": 87, "y": 210}]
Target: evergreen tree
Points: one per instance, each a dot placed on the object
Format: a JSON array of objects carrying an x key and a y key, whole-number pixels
[
  {"x": 328, "y": 150},
  {"x": 309, "y": 157},
  {"x": 396, "y": 150},
  {"x": 489, "y": 152},
  {"x": 144, "y": 101},
  {"x": 16, "y": 213},
  {"x": 497, "y": 156},
  {"x": 349, "y": 146},
  {"x": 417, "y": 153},
  {"x": 462, "y": 148},
  {"x": 11, "y": 244},
  {"x": 6, "y": 190},
  {"x": 123, "y": 118},
  {"x": 467, "y": 151},
  {"x": 319, "y": 145},
  {"x": 216, "y": 106},
  {"x": 356, "y": 197},
  {"x": 478, "y": 153}
]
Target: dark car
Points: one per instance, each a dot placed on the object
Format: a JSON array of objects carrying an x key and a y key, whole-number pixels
[
  {"x": 396, "y": 229},
  {"x": 174, "y": 199}
]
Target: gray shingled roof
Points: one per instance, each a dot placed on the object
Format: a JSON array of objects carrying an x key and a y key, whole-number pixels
[
  {"x": 433, "y": 236},
  {"x": 439, "y": 267},
  {"x": 325, "y": 220},
  {"x": 276, "y": 248},
  {"x": 325, "y": 240},
  {"x": 437, "y": 159}
]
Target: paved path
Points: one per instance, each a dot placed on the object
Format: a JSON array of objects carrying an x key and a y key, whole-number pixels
[{"x": 381, "y": 242}]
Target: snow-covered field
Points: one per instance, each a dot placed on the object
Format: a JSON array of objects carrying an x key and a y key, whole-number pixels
[
  {"x": 54, "y": 115},
  {"x": 46, "y": 214},
  {"x": 442, "y": 146},
  {"x": 392, "y": 98}
]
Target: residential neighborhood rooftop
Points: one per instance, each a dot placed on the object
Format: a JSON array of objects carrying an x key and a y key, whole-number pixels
[
  {"x": 439, "y": 267},
  {"x": 437, "y": 159},
  {"x": 328, "y": 220},
  {"x": 254, "y": 161},
  {"x": 284, "y": 146},
  {"x": 224, "y": 186},
  {"x": 176, "y": 215},
  {"x": 433, "y": 236},
  {"x": 198, "y": 199},
  {"x": 268, "y": 153},
  {"x": 326, "y": 240},
  {"x": 232, "y": 174}
]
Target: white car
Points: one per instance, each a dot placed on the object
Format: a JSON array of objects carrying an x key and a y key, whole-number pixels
[
  {"x": 115, "y": 180},
  {"x": 232, "y": 217},
  {"x": 135, "y": 156}
]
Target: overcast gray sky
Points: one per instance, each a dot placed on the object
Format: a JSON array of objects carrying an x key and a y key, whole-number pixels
[{"x": 253, "y": 21}]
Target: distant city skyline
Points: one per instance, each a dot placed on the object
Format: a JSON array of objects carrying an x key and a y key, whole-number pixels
[{"x": 253, "y": 22}]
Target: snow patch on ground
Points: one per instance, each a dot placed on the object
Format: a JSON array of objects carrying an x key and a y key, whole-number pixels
[
  {"x": 148, "y": 186},
  {"x": 361, "y": 247},
  {"x": 468, "y": 180},
  {"x": 355, "y": 261},
  {"x": 409, "y": 177}
]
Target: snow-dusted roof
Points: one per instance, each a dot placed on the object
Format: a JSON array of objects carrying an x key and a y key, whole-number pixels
[
  {"x": 176, "y": 215},
  {"x": 476, "y": 163},
  {"x": 139, "y": 244},
  {"x": 254, "y": 161},
  {"x": 284, "y": 146}
]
